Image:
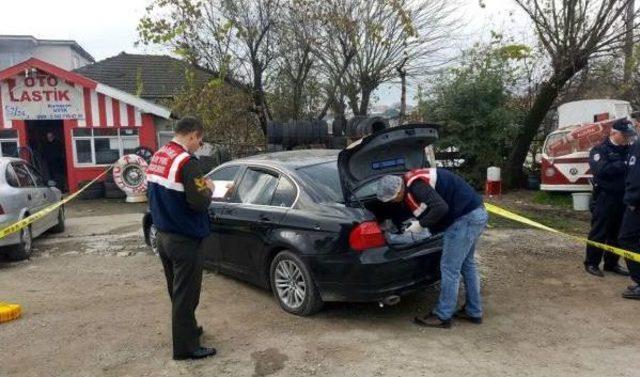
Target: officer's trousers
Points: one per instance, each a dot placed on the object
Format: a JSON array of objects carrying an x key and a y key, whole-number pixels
[
  {"x": 630, "y": 240},
  {"x": 606, "y": 217},
  {"x": 182, "y": 260}
]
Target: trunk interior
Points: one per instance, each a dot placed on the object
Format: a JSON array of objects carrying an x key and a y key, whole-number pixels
[{"x": 396, "y": 214}]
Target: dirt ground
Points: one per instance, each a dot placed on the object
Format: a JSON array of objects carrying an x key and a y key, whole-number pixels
[{"x": 95, "y": 304}]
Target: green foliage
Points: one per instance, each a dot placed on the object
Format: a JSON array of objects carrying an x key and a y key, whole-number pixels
[
  {"x": 476, "y": 105},
  {"x": 225, "y": 111},
  {"x": 556, "y": 199}
]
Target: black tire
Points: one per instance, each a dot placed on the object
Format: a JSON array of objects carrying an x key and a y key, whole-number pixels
[
  {"x": 59, "y": 227},
  {"x": 95, "y": 191},
  {"x": 311, "y": 302},
  {"x": 23, "y": 250}
]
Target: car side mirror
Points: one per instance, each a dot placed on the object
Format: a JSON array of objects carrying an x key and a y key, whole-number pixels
[{"x": 51, "y": 183}]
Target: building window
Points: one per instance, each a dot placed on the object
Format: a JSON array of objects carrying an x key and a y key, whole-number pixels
[
  {"x": 103, "y": 146},
  {"x": 8, "y": 143}
]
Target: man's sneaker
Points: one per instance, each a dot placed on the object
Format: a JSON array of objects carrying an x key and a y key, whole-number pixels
[
  {"x": 617, "y": 269},
  {"x": 432, "y": 320},
  {"x": 462, "y": 314},
  {"x": 632, "y": 293}
]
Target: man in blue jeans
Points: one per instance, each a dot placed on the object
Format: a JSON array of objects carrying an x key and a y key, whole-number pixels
[{"x": 444, "y": 202}]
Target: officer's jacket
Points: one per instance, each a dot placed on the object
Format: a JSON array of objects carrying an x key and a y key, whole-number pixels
[
  {"x": 437, "y": 197},
  {"x": 632, "y": 184},
  {"x": 178, "y": 195},
  {"x": 608, "y": 166}
]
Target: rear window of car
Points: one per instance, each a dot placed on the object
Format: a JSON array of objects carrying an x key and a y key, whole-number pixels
[{"x": 325, "y": 180}]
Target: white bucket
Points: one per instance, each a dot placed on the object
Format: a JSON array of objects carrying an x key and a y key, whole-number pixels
[{"x": 581, "y": 201}]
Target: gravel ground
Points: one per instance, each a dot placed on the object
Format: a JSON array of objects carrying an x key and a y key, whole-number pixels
[{"x": 95, "y": 304}]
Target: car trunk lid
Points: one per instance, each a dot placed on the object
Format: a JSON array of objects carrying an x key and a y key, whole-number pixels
[{"x": 391, "y": 151}]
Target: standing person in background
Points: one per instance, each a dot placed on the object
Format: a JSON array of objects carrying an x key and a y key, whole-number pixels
[
  {"x": 608, "y": 166},
  {"x": 179, "y": 198},
  {"x": 630, "y": 229},
  {"x": 53, "y": 156}
]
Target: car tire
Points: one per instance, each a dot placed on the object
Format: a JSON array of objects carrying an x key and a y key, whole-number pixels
[
  {"x": 153, "y": 239},
  {"x": 59, "y": 227},
  {"x": 23, "y": 250},
  {"x": 293, "y": 286}
]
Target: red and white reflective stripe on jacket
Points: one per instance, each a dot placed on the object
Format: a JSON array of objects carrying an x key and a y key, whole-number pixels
[
  {"x": 428, "y": 176},
  {"x": 166, "y": 165}
]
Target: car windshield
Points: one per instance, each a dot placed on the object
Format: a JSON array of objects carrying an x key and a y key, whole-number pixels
[{"x": 325, "y": 179}]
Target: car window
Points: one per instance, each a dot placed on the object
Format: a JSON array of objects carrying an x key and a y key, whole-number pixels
[
  {"x": 367, "y": 190},
  {"x": 22, "y": 173},
  {"x": 256, "y": 187},
  {"x": 11, "y": 177},
  {"x": 37, "y": 176},
  {"x": 285, "y": 193},
  {"x": 223, "y": 180},
  {"x": 324, "y": 178}
]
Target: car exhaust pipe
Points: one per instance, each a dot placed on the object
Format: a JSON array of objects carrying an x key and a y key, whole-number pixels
[{"x": 389, "y": 301}]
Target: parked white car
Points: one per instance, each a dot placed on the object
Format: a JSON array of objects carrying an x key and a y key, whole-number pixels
[{"x": 23, "y": 191}]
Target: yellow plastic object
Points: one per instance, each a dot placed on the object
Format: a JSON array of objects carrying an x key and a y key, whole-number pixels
[{"x": 9, "y": 312}]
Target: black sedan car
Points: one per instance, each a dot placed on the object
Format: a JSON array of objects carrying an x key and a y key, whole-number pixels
[{"x": 306, "y": 224}]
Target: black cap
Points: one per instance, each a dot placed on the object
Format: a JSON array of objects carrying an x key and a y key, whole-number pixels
[{"x": 625, "y": 126}]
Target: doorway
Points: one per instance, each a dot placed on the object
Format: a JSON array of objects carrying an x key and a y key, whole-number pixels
[{"x": 47, "y": 150}]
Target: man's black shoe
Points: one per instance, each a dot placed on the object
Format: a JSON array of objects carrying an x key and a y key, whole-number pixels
[
  {"x": 199, "y": 353},
  {"x": 200, "y": 331},
  {"x": 618, "y": 270},
  {"x": 593, "y": 270},
  {"x": 632, "y": 293},
  {"x": 462, "y": 314}
]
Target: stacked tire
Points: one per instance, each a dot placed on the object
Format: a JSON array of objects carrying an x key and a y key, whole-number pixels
[
  {"x": 296, "y": 133},
  {"x": 360, "y": 126}
]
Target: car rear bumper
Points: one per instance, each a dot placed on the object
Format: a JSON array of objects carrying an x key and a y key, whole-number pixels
[{"x": 374, "y": 275}]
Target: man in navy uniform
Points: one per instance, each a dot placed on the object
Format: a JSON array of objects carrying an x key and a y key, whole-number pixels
[
  {"x": 608, "y": 166},
  {"x": 630, "y": 229},
  {"x": 179, "y": 198}
]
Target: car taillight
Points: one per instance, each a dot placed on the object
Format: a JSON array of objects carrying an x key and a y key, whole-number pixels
[{"x": 366, "y": 235}]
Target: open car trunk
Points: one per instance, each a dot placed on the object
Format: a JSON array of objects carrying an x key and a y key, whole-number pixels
[{"x": 394, "y": 150}]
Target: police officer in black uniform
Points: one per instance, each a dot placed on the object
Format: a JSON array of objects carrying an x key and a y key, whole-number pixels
[
  {"x": 630, "y": 229},
  {"x": 608, "y": 166}
]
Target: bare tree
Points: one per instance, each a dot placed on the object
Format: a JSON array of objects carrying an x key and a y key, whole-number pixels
[
  {"x": 570, "y": 32},
  {"x": 234, "y": 37},
  {"x": 398, "y": 33}
]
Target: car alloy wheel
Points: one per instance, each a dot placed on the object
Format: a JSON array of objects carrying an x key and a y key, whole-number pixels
[{"x": 290, "y": 284}]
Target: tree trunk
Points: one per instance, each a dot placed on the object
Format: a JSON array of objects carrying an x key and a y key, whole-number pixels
[
  {"x": 364, "y": 100},
  {"x": 541, "y": 104},
  {"x": 403, "y": 96},
  {"x": 628, "y": 48},
  {"x": 259, "y": 100}
]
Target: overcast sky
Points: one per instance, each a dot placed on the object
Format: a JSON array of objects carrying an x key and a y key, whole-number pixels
[{"x": 107, "y": 27}]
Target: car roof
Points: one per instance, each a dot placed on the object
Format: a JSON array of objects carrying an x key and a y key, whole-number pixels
[{"x": 292, "y": 159}]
